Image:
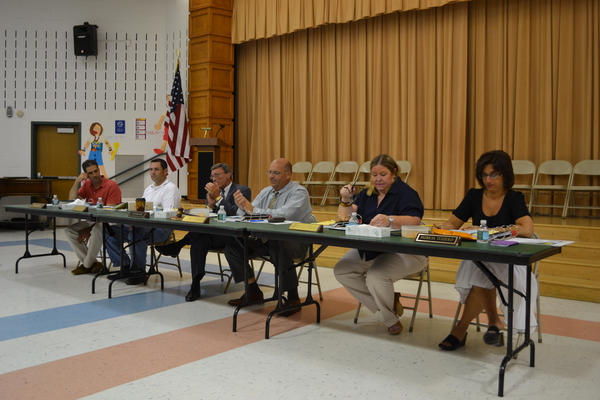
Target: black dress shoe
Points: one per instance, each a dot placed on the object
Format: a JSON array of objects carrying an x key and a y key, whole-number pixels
[
  {"x": 290, "y": 303},
  {"x": 252, "y": 297},
  {"x": 192, "y": 295},
  {"x": 138, "y": 280},
  {"x": 124, "y": 272},
  {"x": 171, "y": 249}
]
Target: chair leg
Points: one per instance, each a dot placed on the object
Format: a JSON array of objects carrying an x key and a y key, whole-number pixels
[
  {"x": 221, "y": 268},
  {"x": 456, "y": 315},
  {"x": 429, "y": 293},
  {"x": 324, "y": 199},
  {"x": 357, "y": 312},
  {"x": 262, "y": 264},
  {"x": 539, "y": 317},
  {"x": 179, "y": 267},
  {"x": 416, "y": 305},
  {"x": 317, "y": 281}
]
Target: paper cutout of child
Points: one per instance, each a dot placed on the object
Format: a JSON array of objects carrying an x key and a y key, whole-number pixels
[{"x": 96, "y": 145}]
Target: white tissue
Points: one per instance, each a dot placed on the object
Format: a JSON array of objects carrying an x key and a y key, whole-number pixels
[
  {"x": 77, "y": 202},
  {"x": 368, "y": 231}
]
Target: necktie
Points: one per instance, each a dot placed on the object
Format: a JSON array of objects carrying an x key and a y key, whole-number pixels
[
  {"x": 223, "y": 193},
  {"x": 273, "y": 200}
]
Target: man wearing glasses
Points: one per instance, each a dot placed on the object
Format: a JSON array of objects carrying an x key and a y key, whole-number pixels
[
  {"x": 283, "y": 198},
  {"x": 219, "y": 192}
]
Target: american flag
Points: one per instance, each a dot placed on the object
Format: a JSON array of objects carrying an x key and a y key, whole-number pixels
[{"x": 178, "y": 149}]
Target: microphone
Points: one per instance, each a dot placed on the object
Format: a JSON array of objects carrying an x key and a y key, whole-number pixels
[
  {"x": 206, "y": 130},
  {"x": 221, "y": 127}
]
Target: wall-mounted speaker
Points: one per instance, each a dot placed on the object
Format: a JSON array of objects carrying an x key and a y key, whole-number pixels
[{"x": 85, "y": 39}]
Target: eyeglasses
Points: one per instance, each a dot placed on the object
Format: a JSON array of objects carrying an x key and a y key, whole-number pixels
[
  {"x": 492, "y": 175},
  {"x": 276, "y": 173},
  {"x": 215, "y": 175}
]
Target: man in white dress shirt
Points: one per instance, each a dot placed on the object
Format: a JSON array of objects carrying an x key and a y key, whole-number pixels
[{"x": 163, "y": 192}]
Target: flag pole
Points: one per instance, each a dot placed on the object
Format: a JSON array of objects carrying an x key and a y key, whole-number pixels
[{"x": 178, "y": 52}]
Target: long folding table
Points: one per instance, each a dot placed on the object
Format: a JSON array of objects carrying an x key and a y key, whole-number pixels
[{"x": 521, "y": 254}]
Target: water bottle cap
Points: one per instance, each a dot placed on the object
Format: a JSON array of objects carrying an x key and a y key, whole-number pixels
[{"x": 483, "y": 222}]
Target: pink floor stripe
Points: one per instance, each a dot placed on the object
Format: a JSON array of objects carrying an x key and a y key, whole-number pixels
[
  {"x": 95, "y": 371},
  {"x": 99, "y": 370}
]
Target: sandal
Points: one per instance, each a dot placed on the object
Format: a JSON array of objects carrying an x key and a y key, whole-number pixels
[
  {"x": 395, "y": 329},
  {"x": 398, "y": 305},
  {"x": 494, "y": 337},
  {"x": 452, "y": 343}
]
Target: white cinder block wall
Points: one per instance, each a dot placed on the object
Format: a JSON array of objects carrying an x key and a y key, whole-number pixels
[{"x": 128, "y": 80}]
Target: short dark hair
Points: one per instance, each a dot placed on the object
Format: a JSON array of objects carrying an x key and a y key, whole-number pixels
[
  {"x": 88, "y": 163},
  {"x": 224, "y": 167},
  {"x": 501, "y": 162},
  {"x": 162, "y": 162}
]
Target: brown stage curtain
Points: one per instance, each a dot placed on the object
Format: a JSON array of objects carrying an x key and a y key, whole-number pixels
[
  {"x": 260, "y": 19},
  {"x": 436, "y": 87}
]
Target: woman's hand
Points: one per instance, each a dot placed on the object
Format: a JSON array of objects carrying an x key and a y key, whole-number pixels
[
  {"x": 380, "y": 220},
  {"x": 347, "y": 193}
]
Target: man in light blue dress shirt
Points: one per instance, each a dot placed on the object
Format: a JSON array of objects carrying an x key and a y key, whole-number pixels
[{"x": 283, "y": 198}]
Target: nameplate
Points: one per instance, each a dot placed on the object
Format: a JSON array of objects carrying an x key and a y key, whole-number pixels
[
  {"x": 298, "y": 226},
  {"x": 438, "y": 239},
  {"x": 79, "y": 208},
  {"x": 38, "y": 205},
  {"x": 139, "y": 214},
  {"x": 196, "y": 219}
]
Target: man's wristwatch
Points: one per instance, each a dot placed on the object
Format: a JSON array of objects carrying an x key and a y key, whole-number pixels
[
  {"x": 218, "y": 198},
  {"x": 391, "y": 219}
]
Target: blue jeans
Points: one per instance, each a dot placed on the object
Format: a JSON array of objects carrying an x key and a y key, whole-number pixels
[{"x": 138, "y": 250}]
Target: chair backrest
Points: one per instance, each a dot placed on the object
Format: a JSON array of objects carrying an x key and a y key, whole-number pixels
[
  {"x": 587, "y": 167},
  {"x": 365, "y": 168},
  {"x": 523, "y": 167},
  {"x": 404, "y": 167},
  {"x": 302, "y": 167},
  {"x": 555, "y": 167},
  {"x": 346, "y": 167},
  {"x": 322, "y": 167}
]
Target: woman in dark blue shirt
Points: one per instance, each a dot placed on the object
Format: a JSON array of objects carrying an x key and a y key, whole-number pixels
[
  {"x": 369, "y": 276},
  {"x": 503, "y": 209}
]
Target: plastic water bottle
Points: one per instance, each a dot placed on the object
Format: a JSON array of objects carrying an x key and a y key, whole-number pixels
[
  {"x": 99, "y": 203},
  {"x": 55, "y": 201},
  {"x": 483, "y": 233},
  {"x": 353, "y": 219},
  {"x": 159, "y": 207},
  {"x": 222, "y": 214}
]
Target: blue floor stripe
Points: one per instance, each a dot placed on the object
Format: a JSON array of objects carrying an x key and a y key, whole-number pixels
[{"x": 32, "y": 323}]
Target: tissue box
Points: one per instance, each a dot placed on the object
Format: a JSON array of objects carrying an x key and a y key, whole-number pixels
[
  {"x": 368, "y": 231},
  {"x": 163, "y": 214}
]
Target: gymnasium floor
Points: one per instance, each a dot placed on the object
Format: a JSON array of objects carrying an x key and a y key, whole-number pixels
[{"x": 59, "y": 341}]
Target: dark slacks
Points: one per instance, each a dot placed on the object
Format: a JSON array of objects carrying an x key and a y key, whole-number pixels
[
  {"x": 201, "y": 244},
  {"x": 234, "y": 252}
]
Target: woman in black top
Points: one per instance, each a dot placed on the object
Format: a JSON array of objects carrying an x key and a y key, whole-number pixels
[
  {"x": 369, "y": 276},
  {"x": 504, "y": 209}
]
